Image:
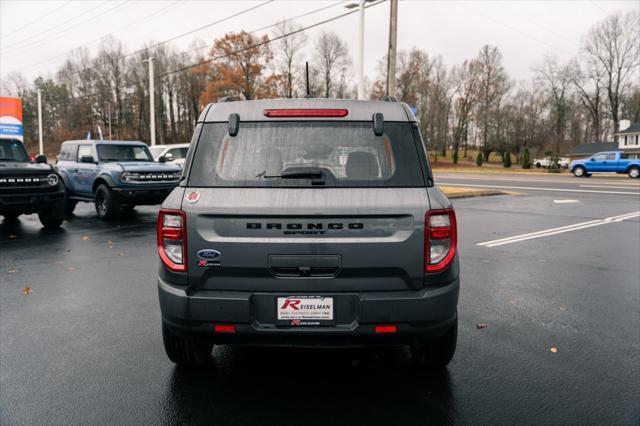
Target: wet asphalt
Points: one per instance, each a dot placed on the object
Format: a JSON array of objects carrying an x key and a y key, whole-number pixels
[{"x": 85, "y": 346}]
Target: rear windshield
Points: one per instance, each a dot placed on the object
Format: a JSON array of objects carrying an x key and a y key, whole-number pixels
[
  {"x": 12, "y": 150},
  {"x": 285, "y": 154},
  {"x": 124, "y": 153}
]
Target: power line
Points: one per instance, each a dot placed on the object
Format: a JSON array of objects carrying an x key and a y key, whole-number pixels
[
  {"x": 43, "y": 33},
  {"x": 197, "y": 49},
  {"x": 199, "y": 28},
  {"x": 106, "y": 35},
  {"x": 268, "y": 41},
  {"x": 513, "y": 28},
  {"x": 45, "y": 15}
]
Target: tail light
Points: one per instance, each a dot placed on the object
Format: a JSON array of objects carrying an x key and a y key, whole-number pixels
[
  {"x": 303, "y": 113},
  {"x": 172, "y": 239},
  {"x": 440, "y": 239}
]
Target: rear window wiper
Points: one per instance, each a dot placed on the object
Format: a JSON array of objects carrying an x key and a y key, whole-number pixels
[{"x": 317, "y": 176}]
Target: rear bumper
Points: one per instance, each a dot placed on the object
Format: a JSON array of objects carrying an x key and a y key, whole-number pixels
[
  {"x": 420, "y": 316},
  {"x": 29, "y": 202}
]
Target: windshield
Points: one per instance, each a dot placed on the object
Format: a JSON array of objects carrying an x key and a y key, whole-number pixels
[
  {"x": 123, "y": 153},
  {"x": 156, "y": 151},
  {"x": 13, "y": 150},
  {"x": 301, "y": 154}
]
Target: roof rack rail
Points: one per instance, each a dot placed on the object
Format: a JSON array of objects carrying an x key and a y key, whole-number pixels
[
  {"x": 226, "y": 99},
  {"x": 390, "y": 99}
]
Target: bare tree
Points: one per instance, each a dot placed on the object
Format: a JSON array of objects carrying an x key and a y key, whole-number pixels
[
  {"x": 332, "y": 58},
  {"x": 467, "y": 78},
  {"x": 288, "y": 52},
  {"x": 613, "y": 45}
]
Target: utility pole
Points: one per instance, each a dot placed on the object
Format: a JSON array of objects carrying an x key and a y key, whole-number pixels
[
  {"x": 361, "y": 53},
  {"x": 109, "y": 114},
  {"x": 40, "y": 122},
  {"x": 391, "y": 55},
  {"x": 152, "y": 104}
]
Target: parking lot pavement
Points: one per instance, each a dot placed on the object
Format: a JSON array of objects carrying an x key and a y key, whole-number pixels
[{"x": 85, "y": 346}]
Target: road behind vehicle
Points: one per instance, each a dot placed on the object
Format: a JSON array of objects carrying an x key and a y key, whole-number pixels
[
  {"x": 115, "y": 175},
  {"x": 308, "y": 222},
  {"x": 606, "y": 162},
  {"x": 29, "y": 187},
  {"x": 175, "y": 153}
]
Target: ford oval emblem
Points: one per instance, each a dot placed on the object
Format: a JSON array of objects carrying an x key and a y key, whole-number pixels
[{"x": 209, "y": 254}]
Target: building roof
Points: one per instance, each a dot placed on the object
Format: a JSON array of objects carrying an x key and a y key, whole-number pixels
[
  {"x": 592, "y": 148},
  {"x": 634, "y": 128},
  {"x": 357, "y": 110}
]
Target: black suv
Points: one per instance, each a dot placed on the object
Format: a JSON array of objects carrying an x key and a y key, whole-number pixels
[{"x": 29, "y": 187}]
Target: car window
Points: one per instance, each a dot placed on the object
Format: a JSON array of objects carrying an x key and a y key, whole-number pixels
[
  {"x": 12, "y": 150},
  {"x": 177, "y": 153},
  {"x": 611, "y": 156},
  {"x": 156, "y": 151},
  {"x": 344, "y": 154},
  {"x": 123, "y": 152},
  {"x": 84, "y": 150},
  {"x": 600, "y": 157},
  {"x": 67, "y": 152}
]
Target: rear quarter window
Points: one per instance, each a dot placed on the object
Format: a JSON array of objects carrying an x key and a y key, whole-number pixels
[{"x": 348, "y": 154}]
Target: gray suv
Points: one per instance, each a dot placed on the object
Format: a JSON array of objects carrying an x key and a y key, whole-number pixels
[{"x": 308, "y": 222}]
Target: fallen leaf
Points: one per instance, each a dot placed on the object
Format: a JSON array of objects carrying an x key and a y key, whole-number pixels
[
  {"x": 86, "y": 238},
  {"x": 71, "y": 268},
  {"x": 11, "y": 236},
  {"x": 563, "y": 307},
  {"x": 120, "y": 253},
  {"x": 481, "y": 325},
  {"x": 553, "y": 349},
  {"x": 27, "y": 290},
  {"x": 110, "y": 242},
  {"x": 12, "y": 271},
  {"x": 512, "y": 301},
  {"x": 110, "y": 247}
]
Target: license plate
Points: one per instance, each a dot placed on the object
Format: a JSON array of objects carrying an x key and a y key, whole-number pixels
[{"x": 294, "y": 308}]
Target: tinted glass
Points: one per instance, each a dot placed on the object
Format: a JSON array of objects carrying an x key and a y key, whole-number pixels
[
  {"x": 302, "y": 154},
  {"x": 124, "y": 153},
  {"x": 12, "y": 150}
]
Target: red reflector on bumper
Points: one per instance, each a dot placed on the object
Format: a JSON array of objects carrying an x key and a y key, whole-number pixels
[
  {"x": 385, "y": 329},
  {"x": 221, "y": 328}
]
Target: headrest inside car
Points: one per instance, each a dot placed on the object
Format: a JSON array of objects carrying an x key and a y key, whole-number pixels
[{"x": 362, "y": 166}]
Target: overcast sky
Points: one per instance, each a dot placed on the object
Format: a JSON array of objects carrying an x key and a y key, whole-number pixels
[{"x": 35, "y": 35}]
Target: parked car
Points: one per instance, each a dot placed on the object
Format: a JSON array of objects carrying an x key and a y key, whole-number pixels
[
  {"x": 175, "y": 153},
  {"x": 28, "y": 187},
  {"x": 308, "y": 222},
  {"x": 546, "y": 162},
  {"x": 114, "y": 175},
  {"x": 606, "y": 162}
]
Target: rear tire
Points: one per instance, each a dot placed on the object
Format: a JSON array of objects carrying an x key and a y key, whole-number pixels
[
  {"x": 634, "y": 172},
  {"x": 439, "y": 353},
  {"x": 53, "y": 217},
  {"x": 107, "y": 204},
  {"x": 579, "y": 171},
  {"x": 185, "y": 352}
]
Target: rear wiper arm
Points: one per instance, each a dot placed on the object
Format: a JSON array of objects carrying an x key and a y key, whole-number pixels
[{"x": 293, "y": 175}]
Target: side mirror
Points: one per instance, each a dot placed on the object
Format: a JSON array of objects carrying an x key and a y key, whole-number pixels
[
  {"x": 87, "y": 159},
  {"x": 41, "y": 159},
  {"x": 592, "y": 159},
  {"x": 234, "y": 124},
  {"x": 162, "y": 159},
  {"x": 168, "y": 157},
  {"x": 378, "y": 124}
]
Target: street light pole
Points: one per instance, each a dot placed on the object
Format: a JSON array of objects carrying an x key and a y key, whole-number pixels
[
  {"x": 109, "y": 114},
  {"x": 391, "y": 59},
  {"x": 152, "y": 104},
  {"x": 40, "y": 122},
  {"x": 361, "y": 53}
]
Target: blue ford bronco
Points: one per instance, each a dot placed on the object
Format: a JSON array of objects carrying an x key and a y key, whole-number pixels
[{"x": 115, "y": 175}]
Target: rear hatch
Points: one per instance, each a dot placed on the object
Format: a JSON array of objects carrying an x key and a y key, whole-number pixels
[{"x": 306, "y": 207}]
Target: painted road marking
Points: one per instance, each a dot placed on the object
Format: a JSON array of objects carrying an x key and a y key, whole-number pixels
[
  {"x": 609, "y": 186},
  {"x": 566, "y": 201},
  {"x": 534, "y": 188},
  {"x": 559, "y": 230},
  {"x": 568, "y": 180}
]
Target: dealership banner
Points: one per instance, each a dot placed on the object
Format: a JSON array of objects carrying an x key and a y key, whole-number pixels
[{"x": 11, "y": 118}]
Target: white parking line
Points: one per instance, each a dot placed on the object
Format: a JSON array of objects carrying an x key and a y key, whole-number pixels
[
  {"x": 559, "y": 230},
  {"x": 609, "y": 186},
  {"x": 535, "y": 188},
  {"x": 566, "y": 201}
]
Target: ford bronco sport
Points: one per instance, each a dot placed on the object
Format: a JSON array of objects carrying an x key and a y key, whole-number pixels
[
  {"x": 115, "y": 175},
  {"x": 29, "y": 187},
  {"x": 308, "y": 222}
]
